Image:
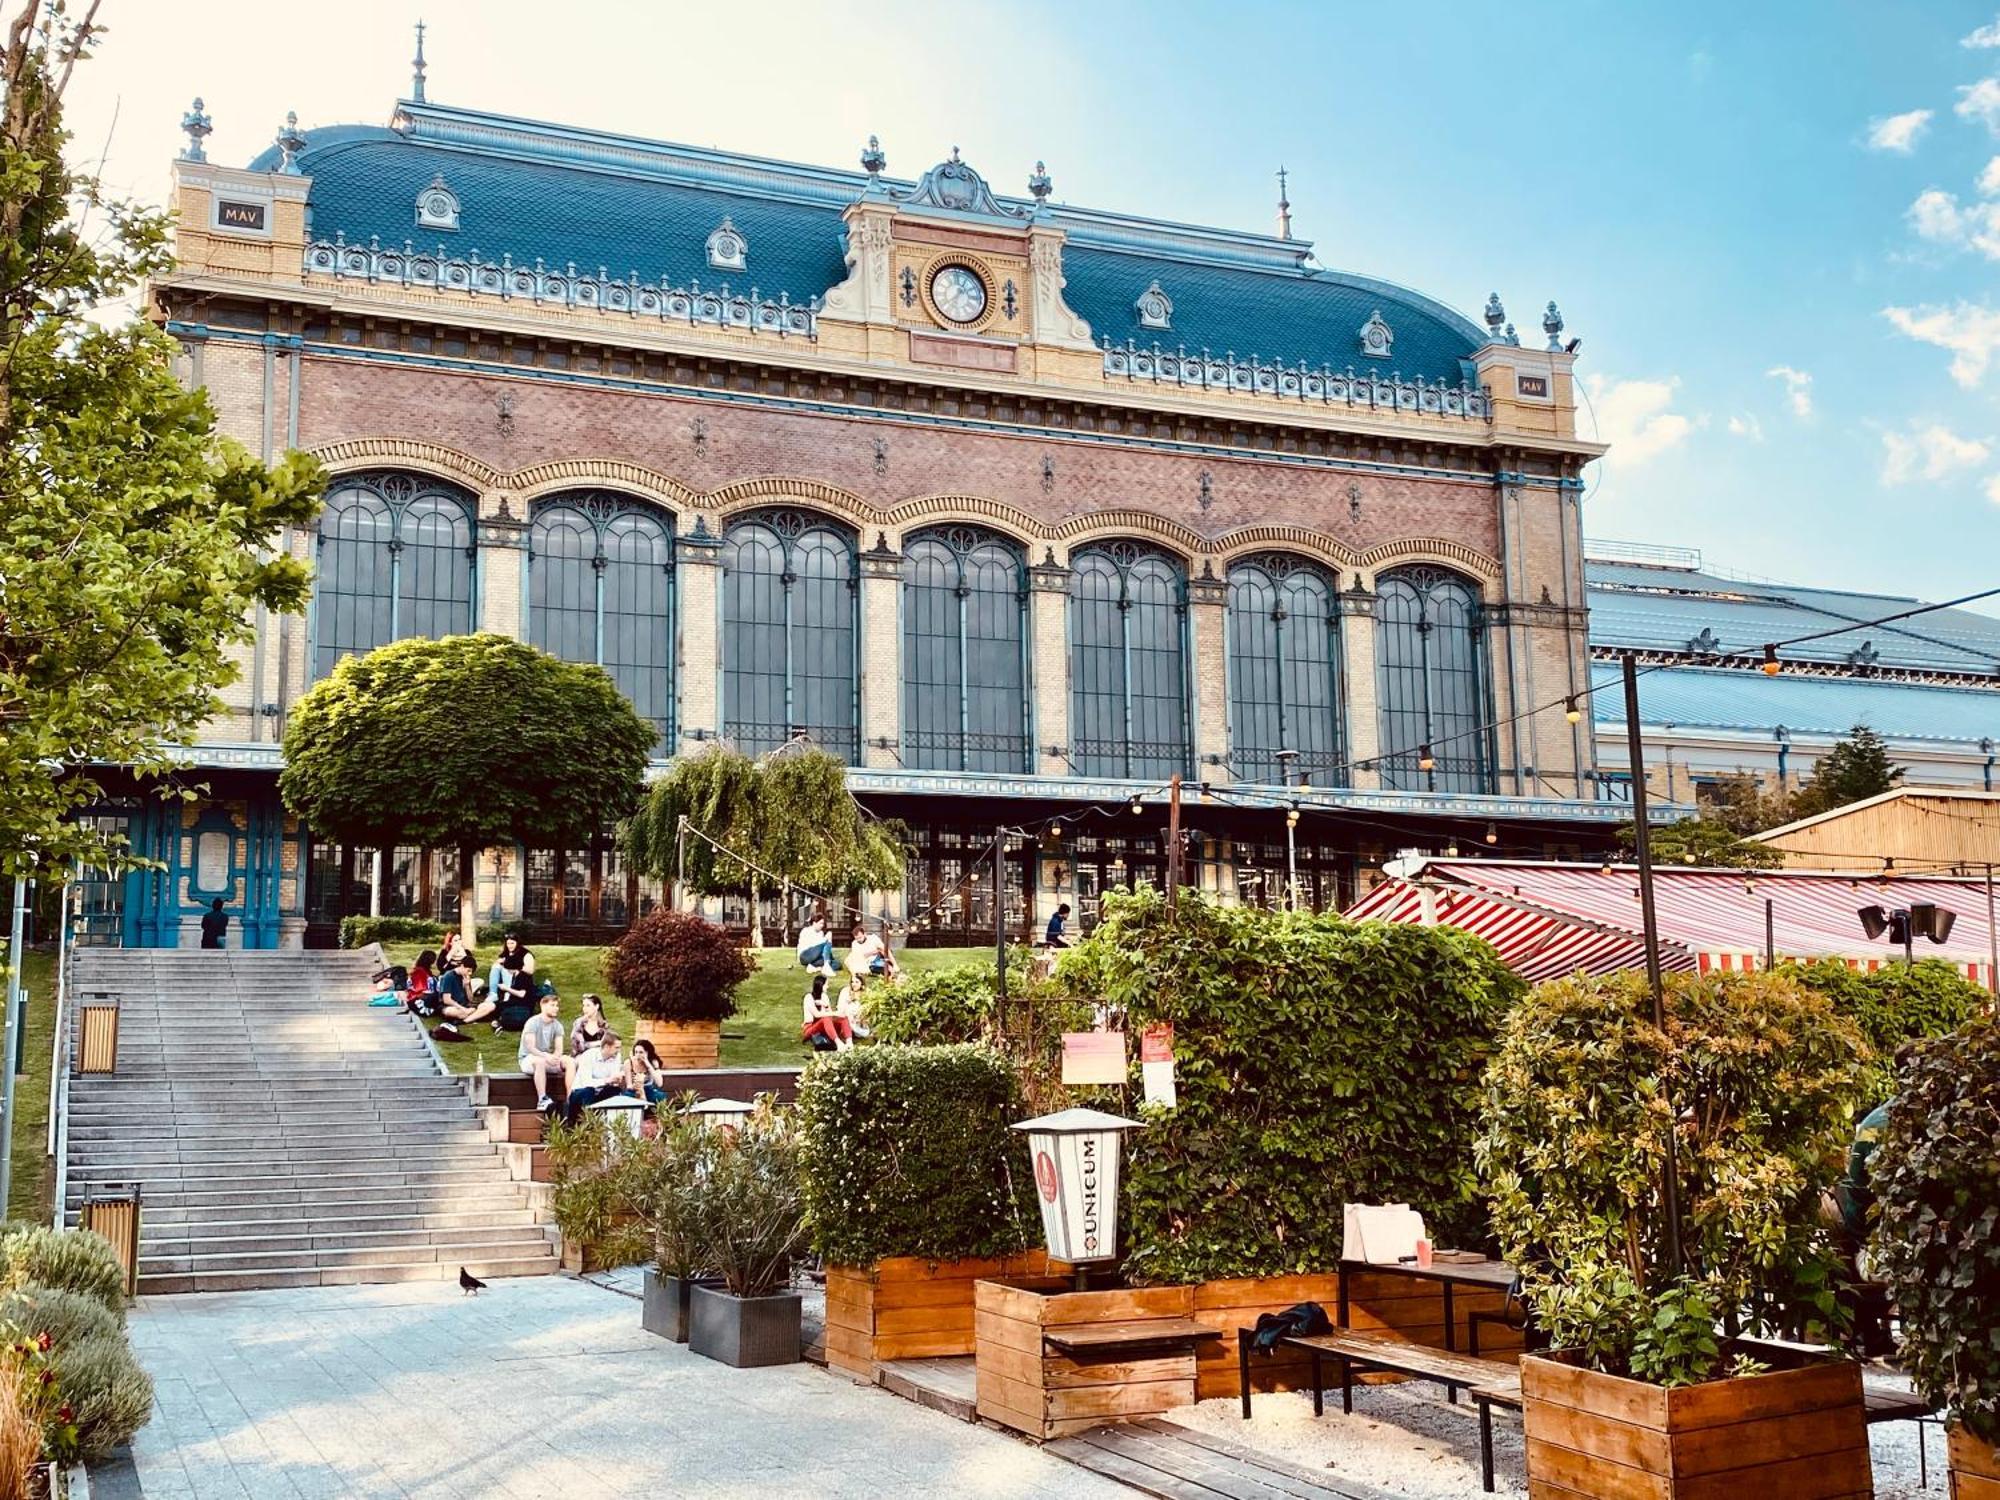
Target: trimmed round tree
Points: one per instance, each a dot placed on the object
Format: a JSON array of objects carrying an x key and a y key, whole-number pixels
[
  {"x": 465, "y": 742},
  {"x": 680, "y": 973}
]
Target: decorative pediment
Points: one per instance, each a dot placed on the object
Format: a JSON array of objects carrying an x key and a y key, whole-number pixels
[
  {"x": 727, "y": 249},
  {"x": 1377, "y": 338},
  {"x": 954, "y": 185},
  {"x": 1155, "y": 308},
  {"x": 437, "y": 206}
]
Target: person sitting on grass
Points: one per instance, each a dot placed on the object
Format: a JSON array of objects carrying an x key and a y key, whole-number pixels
[
  {"x": 868, "y": 955},
  {"x": 589, "y": 1028},
  {"x": 816, "y": 943},
  {"x": 599, "y": 1074},
  {"x": 851, "y": 1009},
  {"x": 423, "y": 974},
  {"x": 823, "y": 1027},
  {"x": 464, "y": 1002},
  {"x": 646, "y": 1075},
  {"x": 542, "y": 1055}
]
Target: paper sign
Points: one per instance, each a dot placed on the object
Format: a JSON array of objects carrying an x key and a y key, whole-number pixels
[
  {"x": 1093, "y": 1057},
  {"x": 1156, "y": 1043},
  {"x": 1156, "y": 1065}
]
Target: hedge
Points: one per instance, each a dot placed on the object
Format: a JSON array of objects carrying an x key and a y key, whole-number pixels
[
  {"x": 1319, "y": 1062},
  {"x": 907, "y": 1151},
  {"x": 359, "y": 932},
  {"x": 1894, "y": 1005}
]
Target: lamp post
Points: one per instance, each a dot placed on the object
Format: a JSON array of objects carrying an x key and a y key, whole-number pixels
[{"x": 1075, "y": 1152}]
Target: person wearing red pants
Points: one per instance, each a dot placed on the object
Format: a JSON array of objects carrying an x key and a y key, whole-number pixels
[{"x": 822, "y": 1023}]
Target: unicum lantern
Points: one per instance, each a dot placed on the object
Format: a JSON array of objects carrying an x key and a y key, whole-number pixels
[{"x": 1075, "y": 1153}]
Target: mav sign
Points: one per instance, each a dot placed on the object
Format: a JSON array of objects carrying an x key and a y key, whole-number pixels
[{"x": 1075, "y": 1153}]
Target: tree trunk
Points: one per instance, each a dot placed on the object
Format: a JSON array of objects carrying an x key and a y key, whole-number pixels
[
  {"x": 756, "y": 915},
  {"x": 468, "y": 917}
]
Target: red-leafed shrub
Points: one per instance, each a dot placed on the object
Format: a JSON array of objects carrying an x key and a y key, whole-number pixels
[{"x": 674, "y": 966}]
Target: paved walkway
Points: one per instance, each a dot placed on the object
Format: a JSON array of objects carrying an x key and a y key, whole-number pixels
[{"x": 540, "y": 1387}]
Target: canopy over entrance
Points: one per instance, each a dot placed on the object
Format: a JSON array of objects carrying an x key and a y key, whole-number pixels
[{"x": 1553, "y": 919}]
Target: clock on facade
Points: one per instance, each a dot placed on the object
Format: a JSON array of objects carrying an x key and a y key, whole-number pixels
[{"x": 958, "y": 293}]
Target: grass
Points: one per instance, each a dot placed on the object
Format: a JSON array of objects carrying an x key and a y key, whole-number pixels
[
  {"x": 763, "y": 1032},
  {"x": 28, "y": 1192}
]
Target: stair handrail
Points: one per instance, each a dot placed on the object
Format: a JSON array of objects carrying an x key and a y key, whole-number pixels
[{"x": 59, "y": 1051}]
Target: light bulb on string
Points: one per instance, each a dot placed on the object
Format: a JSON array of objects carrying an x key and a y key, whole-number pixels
[
  {"x": 1570, "y": 709},
  {"x": 1492, "y": 834}
]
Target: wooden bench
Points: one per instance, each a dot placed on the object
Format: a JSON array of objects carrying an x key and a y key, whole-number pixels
[
  {"x": 1089, "y": 1342},
  {"x": 1359, "y": 1351},
  {"x": 1486, "y": 1397},
  {"x": 1884, "y": 1405}
]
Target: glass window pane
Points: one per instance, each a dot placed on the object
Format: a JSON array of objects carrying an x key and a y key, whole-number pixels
[
  {"x": 395, "y": 559},
  {"x": 1128, "y": 663},
  {"x": 965, "y": 704},
  {"x": 789, "y": 597},
  {"x": 1431, "y": 682},
  {"x": 1284, "y": 652}
]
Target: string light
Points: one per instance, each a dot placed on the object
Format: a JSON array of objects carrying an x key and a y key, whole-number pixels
[
  {"x": 1137, "y": 807},
  {"x": 1425, "y": 761},
  {"x": 1492, "y": 834},
  {"x": 1771, "y": 664},
  {"x": 1571, "y": 711}
]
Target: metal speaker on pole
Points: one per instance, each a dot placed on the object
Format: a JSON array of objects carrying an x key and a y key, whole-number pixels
[{"x": 1874, "y": 921}]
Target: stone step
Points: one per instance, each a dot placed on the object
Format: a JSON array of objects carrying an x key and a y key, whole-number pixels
[
  {"x": 289, "y": 1127},
  {"x": 524, "y": 1243},
  {"x": 194, "y": 1150},
  {"x": 308, "y": 1243},
  {"x": 111, "y": 1088},
  {"x": 487, "y": 1192},
  {"x": 159, "y": 1182},
  {"x": 485, "y": 1268},
  {"x": 234, "y": 1223}
]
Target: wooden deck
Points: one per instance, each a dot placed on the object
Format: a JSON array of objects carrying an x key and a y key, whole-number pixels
[{"x": 1161, "y": 1458}]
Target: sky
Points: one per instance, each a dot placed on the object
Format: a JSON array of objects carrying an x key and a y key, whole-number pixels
[{"x": 1775, "y": 226}]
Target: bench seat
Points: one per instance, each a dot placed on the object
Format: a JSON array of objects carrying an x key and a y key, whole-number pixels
[{"x": 1109, "y": 1341}]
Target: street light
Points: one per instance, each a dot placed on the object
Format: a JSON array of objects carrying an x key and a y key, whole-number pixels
[
  {"x": 1075, "y": 1152},
  {"x": 1292, "y": 858}
]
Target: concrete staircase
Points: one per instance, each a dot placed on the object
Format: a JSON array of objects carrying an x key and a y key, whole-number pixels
[{"x": 283, "y": 1133}]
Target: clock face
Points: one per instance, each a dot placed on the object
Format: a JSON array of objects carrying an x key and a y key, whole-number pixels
[{"x": 958, "y": 293}]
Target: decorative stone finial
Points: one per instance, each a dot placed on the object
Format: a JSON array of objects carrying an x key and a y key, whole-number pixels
[
  {"x": 417, "y": 68},
  {"x": 198, "y": 127},
  {"x": 1511, "y": 337},
  {"x": 1552, "y": 325},
  {"x": 1496, "y": 317},
  {"x": 873, "y": 160},
  {"x": 1039, "y": 186},
  {"x": 291, "y": 141},
  {"x": 1284, "y": 208}
]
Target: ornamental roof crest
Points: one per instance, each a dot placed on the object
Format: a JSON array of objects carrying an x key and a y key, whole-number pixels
[{"x": 955, "y": 186}]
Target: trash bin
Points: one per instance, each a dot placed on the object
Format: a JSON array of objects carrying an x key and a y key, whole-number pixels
[
  {"x": 112, "y": 1209},
  {"x": 97, "y": 1040}
]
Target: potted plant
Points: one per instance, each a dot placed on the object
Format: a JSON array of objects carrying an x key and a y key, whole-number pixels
[
  {"x": 594, "y": 1167},
  {"x": 680, "y": 973},
  {"x": 755, "y": 1223},
  {"x": 670, "y": 1194},
  {"x": 1756, "y": 1076},
  {"x": 1937, "y": 1243}
]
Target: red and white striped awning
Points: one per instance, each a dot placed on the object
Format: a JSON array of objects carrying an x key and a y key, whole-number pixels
[{"x": 1553, "y": 919}]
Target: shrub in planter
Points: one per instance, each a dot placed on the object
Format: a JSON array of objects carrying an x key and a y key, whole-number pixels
[
  {"x": 108, "y": 1395},
  {"x": 678, "y": 969},
  {"x": 1319, "y": 1061},
  {"x": 599, "y": 1171},
  {"x": 1895, "y": 1004},
  {"x": 69, "y": 1260},
  {"x": 34, "y": 1416},
  {"x": 756, "y": 1224},
  {"x": 668, "y": 1188},
  {"x": 1764, "y": 1074},
  {"x": 1937, "y": 1238}
]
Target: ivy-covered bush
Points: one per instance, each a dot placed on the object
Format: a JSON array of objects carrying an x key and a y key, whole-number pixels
[
  {"x": 907, "y": 1151},
  {"x": 1936, "y": 1179},
  {"x": 1897, "y": 1003},
  {"x": 1319, "y": 1062},
  {"x": 65, "y": 1260},
  {"x": 1763, "y": 1075},
  {"x": 676, "y": 966}
]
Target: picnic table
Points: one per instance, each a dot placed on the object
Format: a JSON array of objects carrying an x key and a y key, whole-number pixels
[{"x": 1486, "y": 1275}]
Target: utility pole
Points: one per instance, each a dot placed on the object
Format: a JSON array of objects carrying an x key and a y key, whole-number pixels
[
  {"x": 1770, "y": 935},
  {"x": 1643, "y": 847},
  {"x": 16, "y": 941},
  {"x": 1173, "y": 843},
  {"x": 1000, "y": 931}
]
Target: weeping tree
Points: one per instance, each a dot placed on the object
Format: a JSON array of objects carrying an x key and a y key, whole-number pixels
[
  {"x": 785, "y": 820},
  {"x": 465, "y": 742}
]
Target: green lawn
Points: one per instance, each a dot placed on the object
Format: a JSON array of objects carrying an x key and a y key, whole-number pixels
[
  {"x": 764, "y": 1030},
  {"x": 28, "y": 1194}
]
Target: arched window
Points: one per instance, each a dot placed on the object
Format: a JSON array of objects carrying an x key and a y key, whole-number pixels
[
  {"x": 601, "y": 589},
  {"x": 395, "y": 559},
  {"x": 790, "y": 592},
  {"x": 1284, "y": 672},
  {"x": 1430, "y": 670},
  {"x": 965, "y": 681},
  {"x": 1128, "y": 662}
]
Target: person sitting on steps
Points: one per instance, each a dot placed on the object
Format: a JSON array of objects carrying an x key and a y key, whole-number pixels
[
  {"x": 646, "y": 1075},
  {"x": 599, "y": 1074},
  {"x": 542, "y": 1055}
]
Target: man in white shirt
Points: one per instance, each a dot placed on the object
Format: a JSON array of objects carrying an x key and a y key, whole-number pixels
[{"x": 600, "y": 1074}]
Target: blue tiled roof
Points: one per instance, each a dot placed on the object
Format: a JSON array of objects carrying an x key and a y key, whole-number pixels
[
  {"x": 1664, "y": 608},
  {"x": 1709, "y": 698},
  {"x": 568, "y": 199}
]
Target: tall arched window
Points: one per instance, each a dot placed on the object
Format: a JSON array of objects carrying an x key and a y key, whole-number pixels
[
  {"x": 790, "y": 591},
  {"x": 965, "y": 681},
  {"x": 1284, "y": 672},
  {"x": 1128, "y": 662},
  {"x": 396, "y": 559},
  {"x": 601, "y": 589},
  {"x": 1430, "y": 669}
]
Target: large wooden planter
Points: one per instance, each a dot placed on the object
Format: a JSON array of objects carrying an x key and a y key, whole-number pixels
[
  {"x": 908, "y": 1308},
  {"x": 1800, "y": 1434},
  {"x": 1975, "y": 1467},
  {"x": 682, "y": 1044},
  {"x": 1025, "y": 1386}
]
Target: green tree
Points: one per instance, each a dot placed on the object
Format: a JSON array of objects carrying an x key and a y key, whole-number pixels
[
  {"x": 1856, "y": 768},
  {"x": 134, "y": 543},
  {"x": 548, "y": 753},
  {"x": 1703, "y": 841}
]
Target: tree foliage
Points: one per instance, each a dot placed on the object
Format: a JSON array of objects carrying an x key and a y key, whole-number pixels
[
  {"x": 1855, "y": 768},
  {"x": 1318, "y": 1061},
  {"x": 1704, "y": 842},
  {"x": 790, "y": 813},
  {"x": 1937, "y": 1237},
  {"x": 1763, "y": 1075},
  {"x": 472, "y": 740},
  {"x": 1895, "y": 1004},
  {"x": 676, "y": 966},
  {"x": 134, "y": 543}
]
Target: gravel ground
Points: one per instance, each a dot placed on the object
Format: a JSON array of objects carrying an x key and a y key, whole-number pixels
[{"x": 1406, "y": 1440}]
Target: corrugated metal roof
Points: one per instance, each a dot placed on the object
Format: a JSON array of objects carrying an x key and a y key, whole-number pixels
[{"x": 1716, "y": 698}]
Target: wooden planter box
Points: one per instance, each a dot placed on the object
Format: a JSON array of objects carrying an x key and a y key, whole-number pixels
[
  {"x": 1023, "y": 1385},
  {"x": 682, "y": 1044},
  {"x": 1975, "y": 1468},
  {"x": 908, "y": 1308},
  {"x": 1800, "y": 1434}
]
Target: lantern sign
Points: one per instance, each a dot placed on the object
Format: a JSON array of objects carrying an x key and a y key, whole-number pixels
[
  {"x": 722, "y": 1114},
  {"x": 1075, "y": 1153},
  {"x": 629, "y": 1112}
]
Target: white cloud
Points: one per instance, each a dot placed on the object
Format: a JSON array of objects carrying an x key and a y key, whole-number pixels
[
  {"x": 1931, "y": 452},
  {"x": 1798, "y": 389},
  {"x": 1633, "y": 416},
  {"x": 1747, "y": 426},
  {"x": 1993, "y": 488},
  {"x": 1989, "y": 179},
  {"x": 1986, "y": 36},
  {"x": 1970, "y": 331},
  {"x": 1980, "y": 101},
  {"x": 1939, "y": 217},
  {"x": 1898, "y": 132}
]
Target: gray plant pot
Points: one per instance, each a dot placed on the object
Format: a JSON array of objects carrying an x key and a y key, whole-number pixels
[
  {"x": 665, "y": 1310},
  {"x": 745, "y": 1331}
]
